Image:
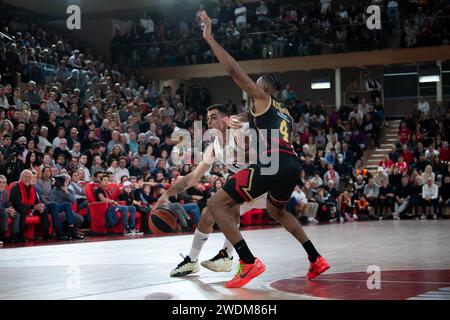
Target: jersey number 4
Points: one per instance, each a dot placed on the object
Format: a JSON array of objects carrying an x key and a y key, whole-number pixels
[{"x": 284, "y": 130}]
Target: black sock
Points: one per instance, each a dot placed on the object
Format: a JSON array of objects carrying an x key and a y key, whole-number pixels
[
  {"x": 244, "y": 252},
  {"x": 311, "y": 251}
]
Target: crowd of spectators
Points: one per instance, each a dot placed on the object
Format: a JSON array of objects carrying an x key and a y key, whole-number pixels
[
  {"x": 412, "y": 181},
  {"x": 275, "y": 28},
  {"x": 97, "y": 123}
]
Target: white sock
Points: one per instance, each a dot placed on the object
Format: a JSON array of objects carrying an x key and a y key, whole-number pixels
[
  {"x": 197, "y": 244},
  {"x": 228, "y": 246}
]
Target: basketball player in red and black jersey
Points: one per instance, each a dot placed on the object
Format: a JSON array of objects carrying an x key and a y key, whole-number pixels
[{"x": 266, "y": 113}]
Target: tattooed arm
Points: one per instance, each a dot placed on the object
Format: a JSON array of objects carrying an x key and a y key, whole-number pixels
[{"x": 189, "y": 180}]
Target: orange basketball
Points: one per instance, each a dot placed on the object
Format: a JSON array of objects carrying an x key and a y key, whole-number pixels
[{"x": 162, "y": 222}]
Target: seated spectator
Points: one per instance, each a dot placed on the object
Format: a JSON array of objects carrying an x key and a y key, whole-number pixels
[
  {"x": 60, "y": 202},
  {"x": 380, "y": 176},
  {"x": 402, "y": 165},
  {"x": 25, "y": 201},
  {"x": 311, "y": 207},
  {"x": 430, "y": 198},
  {"x": 428, "y": 174},
  {"x": 333, "y": 143},
  {"x": 444, "y": 200},
  {"x": 416, "y": 197},
  {"x": 322, "y": 197},
  {"x": 128, "y": 196},
  {"x": 44, "y": 184},
  {"x": 386, "y": 200},
  {"x": 331, "y": 175},
  {"x": 121, "y": 170},
  {"x": 7, "y": 211},
  {"x": 371, "y": 193},
  {"x": 345, "y": 205},
  {"x": 97, "y": 165},
  {"x": 297, "y": 203},
  {"x": 431, "y": 152},
  {"x": 386, "y": 163},
  {"x": 444, "y": 152},
  {"x": 363, "y": 209},
  {"x": 135, "y": 168},
  {"x": 80, "y": 196},
  {"x": 407, "y": 155},
  {"x": 395, "y": 178},
  {"x": 402, "y": 199},
  {"x": 316, "y": 180},
  {"x": 333, "y": 201},
  {"x": 103, "y": 195}
]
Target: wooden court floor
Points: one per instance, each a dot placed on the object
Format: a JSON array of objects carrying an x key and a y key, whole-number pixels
[{"x": 369, "y": 260}]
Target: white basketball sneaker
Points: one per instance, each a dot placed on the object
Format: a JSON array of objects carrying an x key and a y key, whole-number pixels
[
  {"x": 185, "y": 267},
  {"x": 220, "y": 263}
]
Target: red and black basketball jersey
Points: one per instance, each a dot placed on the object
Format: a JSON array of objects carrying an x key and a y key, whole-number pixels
[{"x": 276, "y": 117}]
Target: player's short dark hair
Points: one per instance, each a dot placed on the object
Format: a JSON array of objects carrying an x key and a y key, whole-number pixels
[
  {"x": 221, "y": 108},
  {"x": 274, "y": 80}
]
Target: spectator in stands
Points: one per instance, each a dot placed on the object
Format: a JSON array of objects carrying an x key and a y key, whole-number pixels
[
  {"x": 401, "y": 165},
  {"x": 431, "y": 152},
  {"x": 362, "y": 209},
  {"x": 403, "y": 197},
  {"x": 352, "y": 91},
  {"x": 262, "y": 13},
  {"x": 60, "y": 202},
  {"x": 103, "y": 195},
  {"x": 357, "y": 115},
  {"x": 297, "y": 203},
  {"x": 423, "y": 106},
  {"x": 240, "y": 13},
  {"x": 333, "y": 197},
  {"x": 121, "y": 170},
  {"x": 26, "y": 202},
  {"x": 444, "y": 201},
  {"x": 386, "y": 198},
  {"x": 127, "y": 195},
  {"x": 78, "y": 189},
  {"x": 7, "y": 211},
  {"x": 411, "y": 31},
  {"x": 394, "y": 13},
  {"x": 3, "y": 99},
  {"x": 371, "y": 193},
  {"x": 374, "y": 87},
  {"x": 428, "y": 174},
  {"x": 430, "y": 198},
  {"x": 311, "y": 208}
]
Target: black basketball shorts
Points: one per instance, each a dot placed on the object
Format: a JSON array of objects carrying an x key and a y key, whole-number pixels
[{"x": 250, "y": 183}]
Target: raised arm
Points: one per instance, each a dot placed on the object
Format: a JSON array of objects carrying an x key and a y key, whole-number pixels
[{"x": 261, "y": 99}]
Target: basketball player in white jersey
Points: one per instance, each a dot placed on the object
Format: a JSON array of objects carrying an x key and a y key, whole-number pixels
[{"x": 218, "y": 119}]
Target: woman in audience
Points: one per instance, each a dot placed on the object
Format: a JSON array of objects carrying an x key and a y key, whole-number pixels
[
  {"x": 60, "y": 202},
  {"x": 428, "y": 174}
]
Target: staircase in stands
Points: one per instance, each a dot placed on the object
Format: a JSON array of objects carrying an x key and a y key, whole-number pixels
[{"x": 388, "y": 137}]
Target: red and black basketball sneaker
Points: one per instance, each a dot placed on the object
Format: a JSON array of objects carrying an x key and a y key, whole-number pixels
[
  {"x": 246, "y": 272},
  {"x": 317, "y": 268}
]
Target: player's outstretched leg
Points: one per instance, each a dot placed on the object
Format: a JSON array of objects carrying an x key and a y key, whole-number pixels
[
  {"x": 221, "y": 206},
  {"x": 190, "y": 263},
  {"x": 318, "y": 264},
  {"x": 222, "y": 262}
]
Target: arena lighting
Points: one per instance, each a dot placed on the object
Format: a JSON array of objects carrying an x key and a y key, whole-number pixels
[
  {"x": 429, "y": 75},
  {"x": 320, "y": 82}
]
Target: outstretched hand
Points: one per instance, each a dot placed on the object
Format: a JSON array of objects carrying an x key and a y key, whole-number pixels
[
  {"x": 207, "y": 28},
  {"x": 163, "y": 199}
]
